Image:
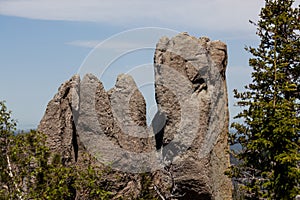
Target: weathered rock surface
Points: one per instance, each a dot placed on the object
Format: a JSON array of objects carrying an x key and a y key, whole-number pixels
[
  {"x": 185, "y": 147},
  {"x": 80, "y": 119},
  {"x": 190, "y": 90},
  {"x": 58, "y": 122}
]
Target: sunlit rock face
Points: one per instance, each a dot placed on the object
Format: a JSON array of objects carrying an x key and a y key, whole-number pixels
[
  {"x": 190, "y": 88},
  {"x": 184, "y": 148}
]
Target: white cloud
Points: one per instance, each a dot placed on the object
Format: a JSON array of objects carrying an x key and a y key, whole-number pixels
[
  {"x": 219, "y": 15},
  {"x": 133, "y": 39},
  {"x": 84, "y": 43},
  {"x": 111, "y": 44}
]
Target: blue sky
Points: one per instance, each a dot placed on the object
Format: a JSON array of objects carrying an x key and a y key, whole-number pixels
[{"x": 44, "y": 42}]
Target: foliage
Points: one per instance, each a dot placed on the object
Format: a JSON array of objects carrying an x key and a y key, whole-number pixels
[
  {"x": 147, "y": 191},
  {"x": 36, "y": 175},
  {"x": 28, "y": 170},
  {"x": 89, "y": 183},
  {"x": 7, "y": 127},
  {"x": 270, "y": 122}
]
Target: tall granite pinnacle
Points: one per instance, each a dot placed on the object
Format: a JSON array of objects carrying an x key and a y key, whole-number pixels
[
  {"x": 185, "y": 148},
  {"x": 191, "y": 91}
]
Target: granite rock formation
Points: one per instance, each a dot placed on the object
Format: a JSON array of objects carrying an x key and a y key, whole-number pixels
[
  {"x": 190, "y": 90},
  {"x": 185, "y": 148},
  {"x": 58, "y": 122}
]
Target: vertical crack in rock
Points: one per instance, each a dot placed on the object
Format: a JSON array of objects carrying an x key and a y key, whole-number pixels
[
  {"x": 158, "y": 128},
  {"x": 74, "y": 141}
]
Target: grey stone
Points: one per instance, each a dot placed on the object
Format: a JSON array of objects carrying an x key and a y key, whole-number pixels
[
  {"x": 184, "y": 149},
  {"x": 191, "y": 92},
  {"x": 58, "y": 122}
]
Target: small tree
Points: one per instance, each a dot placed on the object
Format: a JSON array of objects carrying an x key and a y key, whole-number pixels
[
  {"x": 270, "y": 122},
  {"x": 7, "y": 128},
  {"x": 29, "y": 170},
  {"x": 25, "y": 170}
]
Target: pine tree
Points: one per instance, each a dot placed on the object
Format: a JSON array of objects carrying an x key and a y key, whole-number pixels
[{"x": 268, "y": 128}]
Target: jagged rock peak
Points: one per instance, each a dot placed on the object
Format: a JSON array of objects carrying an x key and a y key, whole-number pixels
[
  {"x": 58, "y": 122},
  {"x": 185, "y": 149}
]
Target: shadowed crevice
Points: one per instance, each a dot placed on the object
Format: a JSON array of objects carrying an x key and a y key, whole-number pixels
[
  {"x": 158, "y": 127},
  {"x": 74, "y": 141}
]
